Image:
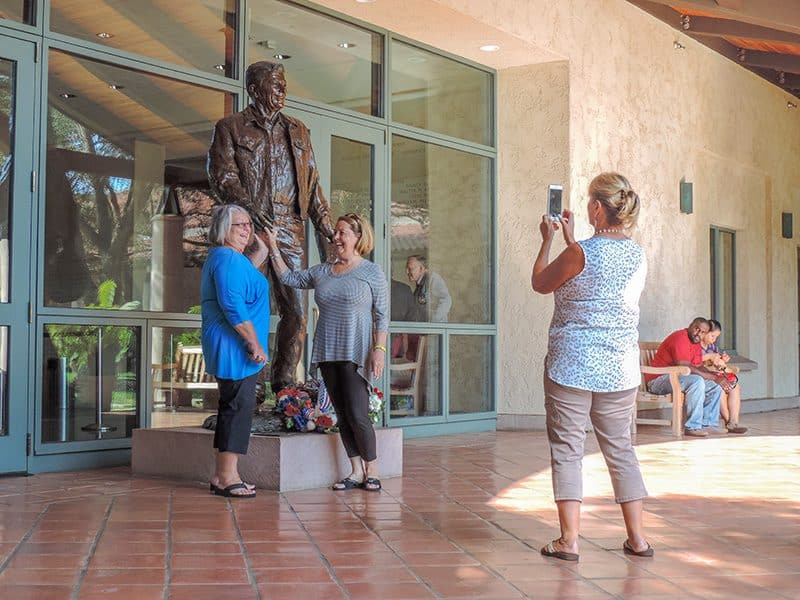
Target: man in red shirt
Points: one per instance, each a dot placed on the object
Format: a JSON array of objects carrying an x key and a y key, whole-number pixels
[{"x": 702, "y": 388}]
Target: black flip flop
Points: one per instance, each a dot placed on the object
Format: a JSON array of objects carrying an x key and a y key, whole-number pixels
[
  {"x": 212, "y": 489},
  {"x": 228, "y": 491},
  {"x": 346, "y": 483},
  {"x": 550, "y": 550},
  {"x": 646, "y": 553},
  {"x": 374, "y": 482}
]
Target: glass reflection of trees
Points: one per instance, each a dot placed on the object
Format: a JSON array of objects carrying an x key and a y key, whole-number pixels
[{"x": 127, "y": 193}]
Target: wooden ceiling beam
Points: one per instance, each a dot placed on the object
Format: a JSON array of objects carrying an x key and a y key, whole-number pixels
[
  {"x": 725, "y": 27},
  {"x": 731, "y": 4},
  {"x": 776, "y": 14},
  {"x": 788, "y": 63},
  {"x": 791, "y": 82}
]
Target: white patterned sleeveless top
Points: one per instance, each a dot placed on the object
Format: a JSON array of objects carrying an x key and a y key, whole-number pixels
[{"x": 594, "y": 335}]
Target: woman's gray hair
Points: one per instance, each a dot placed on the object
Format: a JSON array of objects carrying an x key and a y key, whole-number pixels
[{"x": 221, "y": 218}]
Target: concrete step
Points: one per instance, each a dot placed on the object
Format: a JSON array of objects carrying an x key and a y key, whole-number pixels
[
  {"x": 760, "y": 405},
  {"x": 281, "y": 462}
]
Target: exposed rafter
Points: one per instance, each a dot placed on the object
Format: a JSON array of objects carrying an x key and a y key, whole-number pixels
[
  {"x": 789, "y": 63},
  {"x": 729, "y": 28},
  {"x": 750, "y": 23},
  {"x": 777, "y": 14}
]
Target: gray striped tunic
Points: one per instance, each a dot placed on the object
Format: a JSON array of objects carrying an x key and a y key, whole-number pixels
[{"x": 349, "y": 305}]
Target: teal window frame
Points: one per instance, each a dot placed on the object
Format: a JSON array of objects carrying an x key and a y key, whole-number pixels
[
  {"x": 45, "y": 39},
  {"x": 720, "y": 270}
]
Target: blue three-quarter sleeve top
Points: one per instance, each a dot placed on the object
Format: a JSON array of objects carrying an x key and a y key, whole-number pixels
[{"x": 232, "y": 291}]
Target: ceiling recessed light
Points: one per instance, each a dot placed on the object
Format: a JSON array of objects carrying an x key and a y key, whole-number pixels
[
  {"x": 346, "y": 45},
  {"x": 116, "y": 86},
  {"x": 219, "y": 67},
  {"x": 365, "y": 1},
  {"x": 104, "y": 35},
  {"x": 281, "y": 56},
  {"x": 66, "y": 95},
  {"x": 490, "y": 48}
]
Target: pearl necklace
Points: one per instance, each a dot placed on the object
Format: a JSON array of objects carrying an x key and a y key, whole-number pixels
[{"x": 597, "y": 231}]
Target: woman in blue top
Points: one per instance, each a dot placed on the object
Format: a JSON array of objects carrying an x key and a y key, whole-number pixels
[
  {"x": 235, "y": 310},
  {"x": 592, "y": 364}
]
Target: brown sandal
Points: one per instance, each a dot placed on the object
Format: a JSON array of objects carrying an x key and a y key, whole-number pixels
[
  {"x": 646, "y": 553},
  {"x": 550, "y": 550}
]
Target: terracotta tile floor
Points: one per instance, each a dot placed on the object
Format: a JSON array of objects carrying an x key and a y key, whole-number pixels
[{"x": 466, "y": 521}]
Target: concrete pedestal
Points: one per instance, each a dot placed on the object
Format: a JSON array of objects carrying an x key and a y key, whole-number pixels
[{"x": 285, "y": 462}]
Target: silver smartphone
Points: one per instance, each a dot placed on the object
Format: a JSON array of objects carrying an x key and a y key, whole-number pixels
[{"x": 554, "y": 193}]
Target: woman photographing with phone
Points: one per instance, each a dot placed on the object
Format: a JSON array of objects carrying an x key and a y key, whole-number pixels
[{"x": 592, "y": 365}]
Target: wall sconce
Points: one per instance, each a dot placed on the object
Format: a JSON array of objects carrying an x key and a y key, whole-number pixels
[
  {"x": 786, "y": 225},
  {"x": 686, "y": 197},
  {"x": 678, "y": 46}
]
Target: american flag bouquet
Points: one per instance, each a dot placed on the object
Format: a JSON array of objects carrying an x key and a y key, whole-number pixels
[
  {"x": 375, "y": 405},
  {"x": 306, "y": 407}
]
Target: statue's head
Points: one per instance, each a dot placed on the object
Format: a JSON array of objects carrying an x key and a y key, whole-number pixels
[{"x": 266, "y": 85}]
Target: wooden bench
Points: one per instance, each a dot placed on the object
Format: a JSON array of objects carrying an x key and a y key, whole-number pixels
[
  {"x": 187, "y": 372},
  {"x": 647, "y": 401},
  {"x": 675, "y": 400}
]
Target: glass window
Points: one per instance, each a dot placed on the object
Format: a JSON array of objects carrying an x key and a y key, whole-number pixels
[
  {"x": 91, "y": 382},
  {"x": 183, "y": 32},
  {"x": 442, "y": 231},
  {"x": 184, "y": 395},
  {"x": 414, "y": 375},
  {"x": 326, "y": 59},
  {"x": 471, "y": 384},
  {"x": 8, "y": 100},
  {"x": 723, "y": 285},
  {"x": 18, "y": 10},
  {"x": 433, "y": 92},
  {"x": 351, "y": 178},
  {"x": 127, "y": 194}
]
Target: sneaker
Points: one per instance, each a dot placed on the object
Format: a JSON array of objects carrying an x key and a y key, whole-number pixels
[
  {"x": 695, "y": 433},
  {"x": 715, "y": 430},
  {"x": 735, "y": 428}
]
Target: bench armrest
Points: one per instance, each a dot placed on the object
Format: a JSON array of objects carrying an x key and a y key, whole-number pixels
[{"x": 679, "y": 370}]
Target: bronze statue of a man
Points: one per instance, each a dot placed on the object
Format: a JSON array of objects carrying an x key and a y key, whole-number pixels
[{"x": 262, "y": 159}]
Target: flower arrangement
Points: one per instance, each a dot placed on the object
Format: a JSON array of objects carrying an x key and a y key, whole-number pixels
[
  {"x": 375, "y": 405},
  {"x": 306, "y": 408}
]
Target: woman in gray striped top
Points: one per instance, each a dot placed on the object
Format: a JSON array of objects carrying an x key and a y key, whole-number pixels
[{"x": 350, "y": 338}]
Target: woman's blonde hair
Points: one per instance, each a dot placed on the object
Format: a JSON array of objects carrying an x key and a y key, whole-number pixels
[
  {"x": 361, "y": 227},
  {"x": 614, "y": 193}
]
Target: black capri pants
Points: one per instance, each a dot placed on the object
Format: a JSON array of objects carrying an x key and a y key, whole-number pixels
[
  {"x": 237, "y": 403},
  {"x": 350, "y": 396}
]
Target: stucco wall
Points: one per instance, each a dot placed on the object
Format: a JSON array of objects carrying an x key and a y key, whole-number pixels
[
  {"x": 624, "y": 98},
  {"x": 657, "y": 114}
]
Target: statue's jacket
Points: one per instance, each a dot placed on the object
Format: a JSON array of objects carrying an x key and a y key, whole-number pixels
[{"x": 237, "y": 163}]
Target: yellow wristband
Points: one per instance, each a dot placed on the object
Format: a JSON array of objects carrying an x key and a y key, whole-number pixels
[{"x": 380, "y": 347}]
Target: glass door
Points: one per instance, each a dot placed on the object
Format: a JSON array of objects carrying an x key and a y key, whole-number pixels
[
  {"x": 17, "y": 183},
  {"x": 351, "y": 159}
]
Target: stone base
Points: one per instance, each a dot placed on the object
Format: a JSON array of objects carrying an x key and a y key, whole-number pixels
[{"x": 284, "y": 462}]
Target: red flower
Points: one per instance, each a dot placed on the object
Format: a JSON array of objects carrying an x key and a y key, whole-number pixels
[
  {"x": 324, "y": 421},
  {"x": 380, "y": 395},
  {"x": 375, "y": 390},
  {"x": 291, "y": 410}
]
